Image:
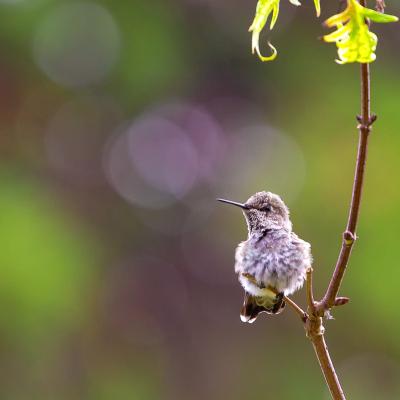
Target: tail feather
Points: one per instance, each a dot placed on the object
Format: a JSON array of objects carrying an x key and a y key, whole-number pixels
[{"x": 253, "y": 305}]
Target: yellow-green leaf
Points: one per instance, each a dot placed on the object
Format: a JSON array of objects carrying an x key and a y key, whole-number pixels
[
  {"x": 264, "y": 9},
  {"x": 353, "y": 38}
]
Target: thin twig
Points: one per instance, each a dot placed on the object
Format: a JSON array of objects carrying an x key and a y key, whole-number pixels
[
  {"x": 349, "y": 236},
  {"x": 303, "y": 315},
  {"x": 310, "y": 291},
  {"x": 296, "y": 308},
  {"x": 314, "y": 326},
  {"x": 380, "y": 6},
  {"x": 317, "y": 310}
]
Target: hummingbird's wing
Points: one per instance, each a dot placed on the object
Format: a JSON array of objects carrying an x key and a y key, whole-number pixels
[
  {"x": 303, "y": 248},
  {"x": 300, "y": 243}
]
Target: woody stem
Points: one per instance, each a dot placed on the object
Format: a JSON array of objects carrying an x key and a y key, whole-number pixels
[
  {"x": 315, "y": 332},
  {"x": 349, "y": 235},
  {"x": 314, "y": 327}
]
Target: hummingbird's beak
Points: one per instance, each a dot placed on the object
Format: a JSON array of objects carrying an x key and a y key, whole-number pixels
[{"x": 234, "y": 203}]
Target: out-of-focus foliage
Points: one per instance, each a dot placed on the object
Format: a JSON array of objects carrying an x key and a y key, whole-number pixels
[
  {"x": 45, "y": 262},
  {"x": 116, "y": 262}
]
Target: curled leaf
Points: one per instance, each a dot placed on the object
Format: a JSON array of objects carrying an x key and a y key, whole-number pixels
[
  {"x": 269, "y": 58},
  {"x": 264, "y": 9}
]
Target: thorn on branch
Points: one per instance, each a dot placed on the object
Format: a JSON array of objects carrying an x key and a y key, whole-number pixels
[{"x": 341, "y": 301}]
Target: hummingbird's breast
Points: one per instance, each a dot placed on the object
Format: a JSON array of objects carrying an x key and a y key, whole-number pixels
[{"x": 275, "y": 259}]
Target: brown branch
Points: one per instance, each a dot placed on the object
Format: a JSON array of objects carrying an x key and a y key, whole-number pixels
[
  {"x": 316, "y": 311},
  {"x": 310, "y": 291},
  {"x": 303, "y": 315},
  {"x": 315, "y": 332},
  {"x": 380, "y": 6},
  {"x": 325, "y": 362},
  {"x": 313, "y": 319},
  {"x": 349, "y": 236},
  {"x": 296, "y": 308}
]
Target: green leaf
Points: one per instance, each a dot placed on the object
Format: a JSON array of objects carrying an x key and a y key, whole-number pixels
[
  {"x": 264, "y": 9},
  {"x": 353, "y": 38},
  {"x": 379, "y": 17}
]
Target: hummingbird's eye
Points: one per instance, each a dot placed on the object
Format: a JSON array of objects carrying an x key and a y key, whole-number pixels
[{"x": 265, "y": 208}]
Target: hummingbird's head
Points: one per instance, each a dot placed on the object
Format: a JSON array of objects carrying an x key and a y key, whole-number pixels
[{"x": 264, "y": 210}]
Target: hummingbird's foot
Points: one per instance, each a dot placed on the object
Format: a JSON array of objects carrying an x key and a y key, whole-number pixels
[
  {"x": 250, "y": 278},
  {"x": 279, "y": 304}
]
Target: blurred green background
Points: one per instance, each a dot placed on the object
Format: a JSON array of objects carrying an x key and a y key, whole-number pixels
[{"x": 121, "y": 122}]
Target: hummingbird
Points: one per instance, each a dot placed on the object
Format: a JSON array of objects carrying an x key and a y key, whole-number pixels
[{"x": 273, "y": 261}]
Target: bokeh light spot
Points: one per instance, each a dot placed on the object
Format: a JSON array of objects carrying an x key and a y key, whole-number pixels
[
  {"x": 124, "y": 179},
  {"x": 77, "y": 44},
  {"x": 263, "y": 158},
  {"x": 163, "y": 155}
]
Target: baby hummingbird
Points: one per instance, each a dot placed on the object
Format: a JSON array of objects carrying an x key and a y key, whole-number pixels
[{"x": 273, "y": 261}]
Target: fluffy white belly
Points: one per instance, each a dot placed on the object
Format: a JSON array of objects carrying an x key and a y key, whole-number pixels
[{"x": 283, "y": 270}]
